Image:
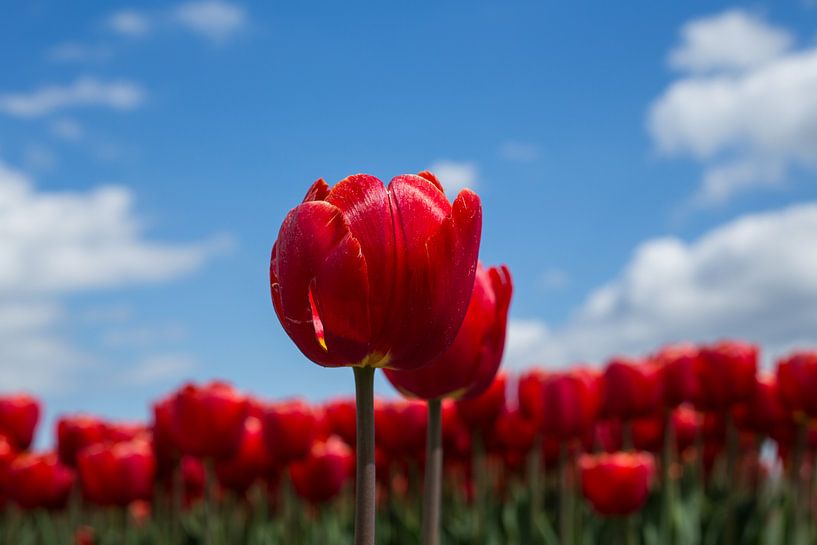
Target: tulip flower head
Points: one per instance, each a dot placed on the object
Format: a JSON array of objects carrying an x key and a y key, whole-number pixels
[
  {"x": 727, "y": 374},
  {"x": 321, "y": 475},
  {"x": 479, "y": 413},
  {"x": 208, "y": 420},
  {"x": 367, "y": 275},
  {"x": 631, "y": 389},
  {"x": 117, "y": 474},
  {"x": 617, "y": 484},
  {"x": 468, "y": 367},
  {"x": 290, "y": 428},
  {"x": 571, "y": 404},
  {"x": 19, "y": 415},
  {"x": 39, "y": 481},
  {"x": 797, "y": 381}
]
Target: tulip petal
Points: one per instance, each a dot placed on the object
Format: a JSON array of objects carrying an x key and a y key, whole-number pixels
[
  {"x": 437, "y": 253},
  {"x": 365, "y": 205},
  {"x": 314, "y": 237}
]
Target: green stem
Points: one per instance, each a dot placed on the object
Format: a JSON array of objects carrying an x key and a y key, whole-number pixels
[
  {"x": 535, "y": 481},
  {"x": 631, "y": 530},
  {"x": 432, "y": 489},
  {"x": 626, "y": 434},
  {"x": 479, "y": 472},
  {"x": 667, "y": 485},
  {"x": 365, "y": 477},
  {"x": 730, "y": 479},
  {"x": 566, "y": 496},
  {"x": 210, "y": 501}
]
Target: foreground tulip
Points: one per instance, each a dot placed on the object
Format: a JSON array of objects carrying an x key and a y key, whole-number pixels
[
  {"x": 370, "y": 276},
  {"x": 39, "y": 481},
  {"x": 117, "y": 474},
  {"x": 208, "y": 421},
  {"x": 324, "y": 471},
  {"x": 616, "y": 484},
  {"x": 19, "y": 415}
]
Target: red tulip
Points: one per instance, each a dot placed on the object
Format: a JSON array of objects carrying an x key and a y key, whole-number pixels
[
  {"x": 290, "y": 428},
  {"x": 39, "y": 481},
  {"x": 479, "y": 413},
  {"x": 367, "y": 275},
  {"x": 797, "y": 380},
  {"x": 192, "y": 478},
  {"x": 321, "y": 475},
  {"x": 679, "y": 366},
  {"x": 117, "y": 474},
  {"x": 631, "y": 389},
  {"x": 617, "y": 484},
  {"x": 340, "y": 418},
  {"x": 571, "y": 404},
  {"x": 686, "y": 423},
  {"x": 400, "y": 427},
  {"x": 727, "y": 373},
  {"x": 76, "y": 432},
  {"x": 468, "y": 367},
  {"x": 513, "y": 431},
  {"x": 249, "y": 463},
  {"x": 164, "y": 444},
  {"x": 455, "y": 435},
  {"x": 766, "y": 412},
  {"x": 208, "y": 421},
  {"x": 531, "y": 394},
  {"x": 19, "y": 415},
  {"x": 7, "y": 456}
]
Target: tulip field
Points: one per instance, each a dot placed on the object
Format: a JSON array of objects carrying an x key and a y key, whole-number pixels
[{"x": 690, "y": 445}]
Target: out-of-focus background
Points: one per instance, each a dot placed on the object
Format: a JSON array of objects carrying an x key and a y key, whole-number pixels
[{"x": 647, "y": 171}]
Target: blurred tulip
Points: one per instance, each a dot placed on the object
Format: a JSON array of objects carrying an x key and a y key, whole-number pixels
[
  {"x": 767, "y": 414},
  {"x": 479, "y": 413},
  {"x": 514, "y": 431},
  {"x": 616, "y": 484},
  {"x": 679, "y": 366},
  {"x": 468, "y": 367},
  {"x": 367, "y": 275},
  {"x": 193, "y": 479},
  {"x": 455, "y": 435},
  {"x": 164, "y": 444},
  {"x": 290, "y": 427},
  {"x": 630, "y": 389},
  {"x": 531, "y": 394},
  {"x": 117, "y": 474},
  {"x": 39, "y": 481},
  {"x": 340, "y": 418},
  {"x": 321, "y": 475},
  {"x": 797, "y": 382},
  {"x": 401, "y": 427},
  {"x": 249, "y": 463},
  {"x": 727, "y": 373},
  {"x": 208, "y": 420},
  {"x": 77, "y": 432},
  {"x": 19, "y": 415},
  {"x": 571, "y": 404},
  {"x": 84, "y": 535}
]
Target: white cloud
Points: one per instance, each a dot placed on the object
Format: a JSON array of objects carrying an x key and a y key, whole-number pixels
[
  {"x": 53, "y": 243},
  {"x": 554, "y": 279},
  {"x": 751, "y": 278},
  {"x": 75, "y": 52},
  {"x": 86, "y": 91},
  {"x": 216, "y": 20},
  {"x": 69, "y": 241},
  {"x": 522, "y": 152},
  {"x": 159, "y": 368},
  {"x": 67, "y": 129},
  {"x": 455, "y": 175},
  {"x": 747, "y": 123},
  {"x": 734, "y": 39},
  {"x": 129, "y": 22}
]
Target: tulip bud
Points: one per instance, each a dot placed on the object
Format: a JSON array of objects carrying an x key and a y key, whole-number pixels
[{"x": 616, "y": 484}]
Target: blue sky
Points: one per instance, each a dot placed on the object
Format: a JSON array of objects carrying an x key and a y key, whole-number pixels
[{"x": 646, "y": 171}]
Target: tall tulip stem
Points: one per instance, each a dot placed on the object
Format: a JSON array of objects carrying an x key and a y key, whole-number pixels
[
  {"x": 566, "y": 496},
  {"x": 667, "y": 484},
  {"x": 365, "y": 477},
  {"x": 730, "y": 479},
  {"x": 432, "y": 489}
]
